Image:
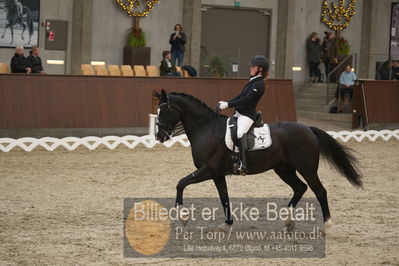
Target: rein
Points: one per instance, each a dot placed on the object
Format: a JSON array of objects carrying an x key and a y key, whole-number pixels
[{"x": 188, "y": 128}]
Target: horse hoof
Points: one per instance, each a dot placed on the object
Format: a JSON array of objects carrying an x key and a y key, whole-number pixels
[
  {"x": 328, "y": 223},
  {"x": 223, "y": 227},
  {"x": 290, "y": 225},
  {"x": 323, "y": 232}
]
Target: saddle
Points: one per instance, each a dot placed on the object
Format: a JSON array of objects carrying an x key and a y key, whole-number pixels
[{"x": 258, "y": 137}]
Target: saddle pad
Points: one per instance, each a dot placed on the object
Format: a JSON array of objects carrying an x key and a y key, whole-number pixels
[{"x": 262, "y": 138}]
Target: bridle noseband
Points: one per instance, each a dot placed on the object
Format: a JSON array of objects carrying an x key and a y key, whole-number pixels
[{"x": 167, "y": 129}]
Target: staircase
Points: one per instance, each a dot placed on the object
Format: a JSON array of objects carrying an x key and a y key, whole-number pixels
[{"x": 311, "y": 104}]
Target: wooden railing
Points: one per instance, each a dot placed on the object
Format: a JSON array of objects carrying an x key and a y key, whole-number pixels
[
  {"x": 375, "y": 102},
  {"x": 53, "y": 101}
]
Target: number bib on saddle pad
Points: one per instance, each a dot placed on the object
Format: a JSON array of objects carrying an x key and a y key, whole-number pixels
[{"x": 258, "y": 138}]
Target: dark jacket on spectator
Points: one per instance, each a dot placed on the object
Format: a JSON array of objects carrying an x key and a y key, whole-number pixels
[
  {"x": 178, "y": 43},
  {"x": 19, "y": 64},
  {"x": 165, "y": 69},
  {"x": 329, "y": 49},
  {"x": 385, "y": 71},
  {"x": 395, "y": 73},
  {"x": 313, "y": 50},
  {"x": 35, "y": 62}
]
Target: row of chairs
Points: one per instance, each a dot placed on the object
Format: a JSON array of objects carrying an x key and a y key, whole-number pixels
[
  {"x": 4, "y": 69},
  {"x": 114, "y": 70},
  {"x": 102, "y": 70},
  {"x": 125, "y": 70}
]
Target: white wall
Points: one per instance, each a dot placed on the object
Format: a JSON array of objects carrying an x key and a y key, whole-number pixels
[
  {"x": 49, "y": 9},
  {"x": 111, "y": 27}
]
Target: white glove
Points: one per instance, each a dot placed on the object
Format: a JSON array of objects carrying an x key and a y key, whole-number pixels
[{"x": 223, "y": 105}]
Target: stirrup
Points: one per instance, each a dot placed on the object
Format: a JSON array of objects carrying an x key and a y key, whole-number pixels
[
  {"x": 239, "y": 168},
  {"x": 242, "y": 169}
]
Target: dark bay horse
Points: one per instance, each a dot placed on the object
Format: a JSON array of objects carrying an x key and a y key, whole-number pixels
[
  {"x": 13, "y": 18},
  {"x": 295, "y": 148}
]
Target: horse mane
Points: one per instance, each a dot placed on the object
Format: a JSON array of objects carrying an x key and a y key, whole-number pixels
[{"x": 190, "y": 97}]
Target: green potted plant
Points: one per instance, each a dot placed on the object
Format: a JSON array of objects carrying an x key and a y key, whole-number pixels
[
  {"x": 216, "y": 66},
  {"x": 135, "y": 53},
  {"x": 136, "y": 38}
]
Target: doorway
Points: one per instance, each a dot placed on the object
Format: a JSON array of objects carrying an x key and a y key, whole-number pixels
[{"x": 234, "y": 35}]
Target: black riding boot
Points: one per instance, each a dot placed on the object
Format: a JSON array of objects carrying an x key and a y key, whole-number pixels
[{"x": 242, "y": 145}]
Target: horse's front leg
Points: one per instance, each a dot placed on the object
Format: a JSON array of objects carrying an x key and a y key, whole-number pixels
[
  {"x": 200, "y": 175},
  {"x": 4, "y": 32},
  {"x": 220, "y": 183}
]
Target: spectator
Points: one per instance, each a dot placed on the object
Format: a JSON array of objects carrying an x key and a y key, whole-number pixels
[
  {"x": 34, "y": 61},
  {"x": 313, "y": 49},
  {"x": 19, "y": 63},
  {"x": 329, "y": 49},
  {"x": 395, "y": 70},
  {"x": 177, "y": 41},
  {"x": 20, "y": 9},
  {"x": 385, "y": 71},
  {"x": 389, "y": 70},
  {"x": 346, "y": 82},
  {"x": 167, "y": 68}
]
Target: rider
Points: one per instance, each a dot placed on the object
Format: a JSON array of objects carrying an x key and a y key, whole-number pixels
[
  {"x": 19, "y": 8},
  {"x": 245, "y": 104}
]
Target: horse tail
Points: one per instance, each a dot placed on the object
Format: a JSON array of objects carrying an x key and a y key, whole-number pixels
[{"x": 339, "y": 156}]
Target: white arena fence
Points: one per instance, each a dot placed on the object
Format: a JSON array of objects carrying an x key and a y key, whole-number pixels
[{"x": 111, "y": 142}]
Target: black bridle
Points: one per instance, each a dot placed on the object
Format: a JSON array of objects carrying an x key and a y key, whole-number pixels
[{"x": 168, "y": 130}]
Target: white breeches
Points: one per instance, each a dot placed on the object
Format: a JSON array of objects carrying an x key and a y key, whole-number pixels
[{"x": 244, "y": 123}]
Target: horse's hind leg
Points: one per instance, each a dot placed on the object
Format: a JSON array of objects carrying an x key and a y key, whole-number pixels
[
  {"x": 321, "y": 193},
  {"x": 288, "y": 175},
  {"x": 23, "y": 31},
  {"x": 12, "y": 34}
]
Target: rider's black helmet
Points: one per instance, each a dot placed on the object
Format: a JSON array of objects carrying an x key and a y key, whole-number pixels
[{"x": 260, "y": 60}]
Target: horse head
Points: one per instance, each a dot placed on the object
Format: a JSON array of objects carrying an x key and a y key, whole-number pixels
[{"x": 168, "y": 117}]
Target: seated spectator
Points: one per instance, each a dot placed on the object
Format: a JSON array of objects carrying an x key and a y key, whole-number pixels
[
  {"x": 385, "y": 71},
  {"x": 19, "y": 63},
  {"x": 395, "y": 70},
  {"x": 346, "y": 82},
  {"x": 167, "y": 68},
  {"x": 34, "y": 61}
]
